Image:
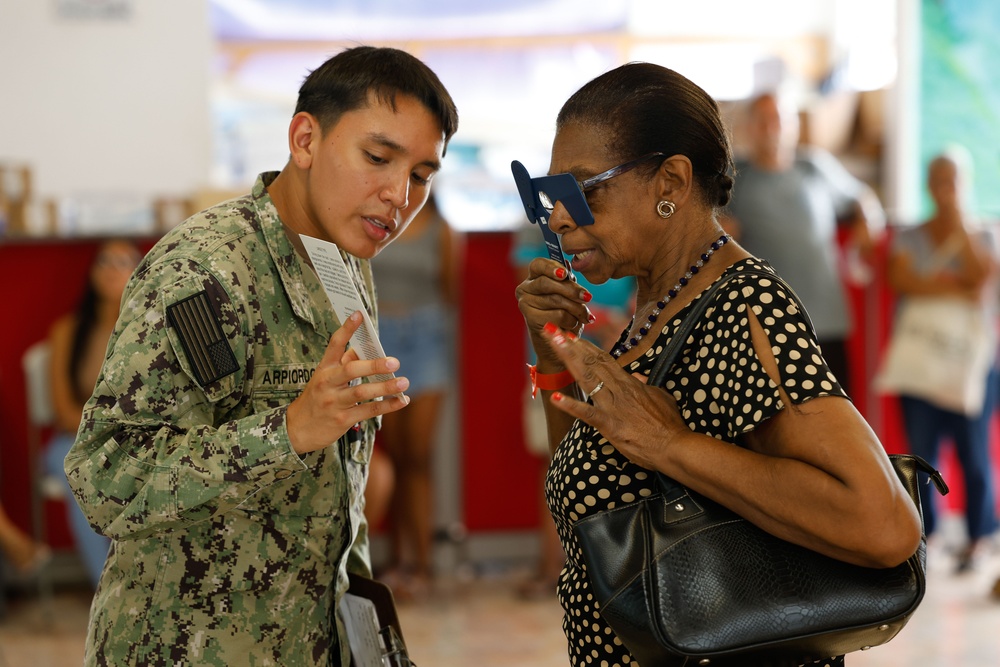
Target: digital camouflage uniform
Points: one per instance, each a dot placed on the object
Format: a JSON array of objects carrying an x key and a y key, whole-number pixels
[{"x": 229, "y": 548}]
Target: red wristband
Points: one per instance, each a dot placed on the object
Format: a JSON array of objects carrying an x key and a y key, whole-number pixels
[{"x": 548, "y": 380}]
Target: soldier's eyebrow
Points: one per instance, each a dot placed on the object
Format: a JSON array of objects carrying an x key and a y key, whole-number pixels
[{"x": 385, "y": 140}]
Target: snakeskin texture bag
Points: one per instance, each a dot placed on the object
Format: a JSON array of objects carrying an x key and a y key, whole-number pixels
[{"x": 684, "y": 581}]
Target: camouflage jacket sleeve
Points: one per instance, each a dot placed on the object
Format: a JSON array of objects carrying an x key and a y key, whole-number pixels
[{"x": 168, "y": 438}]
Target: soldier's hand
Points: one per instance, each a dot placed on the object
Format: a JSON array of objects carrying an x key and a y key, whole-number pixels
[{"x": 329, "y": 405}]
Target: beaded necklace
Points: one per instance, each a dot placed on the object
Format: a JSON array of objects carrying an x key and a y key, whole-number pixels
[{"x": 623, "y": 345}]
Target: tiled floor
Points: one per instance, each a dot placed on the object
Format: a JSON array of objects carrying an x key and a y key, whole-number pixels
[{"x": 480, "y": 622}]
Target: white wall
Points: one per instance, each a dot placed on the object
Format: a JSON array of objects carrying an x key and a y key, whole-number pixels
[
  {"x": 902, "y": 167},
  {"x": 103, "y": 105},
  {"x": 122, "y": 107}
]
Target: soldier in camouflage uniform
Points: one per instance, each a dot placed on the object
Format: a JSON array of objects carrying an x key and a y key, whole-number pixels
[{"x": 225, "y": 447}]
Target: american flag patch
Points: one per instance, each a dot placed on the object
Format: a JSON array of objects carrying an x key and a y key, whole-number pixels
[{"x": 201, "y": 336}]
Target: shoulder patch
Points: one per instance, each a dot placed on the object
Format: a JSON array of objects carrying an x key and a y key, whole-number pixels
[{"x": 201, "y": 336}]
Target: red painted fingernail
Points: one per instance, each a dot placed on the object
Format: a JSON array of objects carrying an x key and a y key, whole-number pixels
[
  {"x": 556, "y": 396},
  {"x": 560, "y": 273},
  {"x": 591, "y": 318},
  {"x": 550, "y": 328},
  {"x": 586, "y": 296}
]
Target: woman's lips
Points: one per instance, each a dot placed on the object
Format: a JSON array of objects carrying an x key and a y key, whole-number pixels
[{"x": 582, "y": 260}]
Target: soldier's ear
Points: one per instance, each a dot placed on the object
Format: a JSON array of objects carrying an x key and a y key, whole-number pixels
[{"x": 304, "y": 134}]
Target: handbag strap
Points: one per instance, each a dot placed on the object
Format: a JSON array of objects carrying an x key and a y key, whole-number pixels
[{"x": 669, "y": 355}]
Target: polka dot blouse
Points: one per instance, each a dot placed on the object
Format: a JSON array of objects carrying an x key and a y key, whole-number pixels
[{"x": 722, "y": 390}]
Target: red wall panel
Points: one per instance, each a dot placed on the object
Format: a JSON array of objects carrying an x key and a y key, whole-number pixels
[{"x": 39, "y": 281}]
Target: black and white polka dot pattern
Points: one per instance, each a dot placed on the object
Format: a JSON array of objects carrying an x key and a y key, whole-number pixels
[{"x": 721, "y": 390}]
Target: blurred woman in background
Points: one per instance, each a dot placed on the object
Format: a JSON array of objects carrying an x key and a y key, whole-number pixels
[
  {"x": 417, "y": 289},
  {"x": 79, "y": 342},
  {"x": 25, "y": 554}
]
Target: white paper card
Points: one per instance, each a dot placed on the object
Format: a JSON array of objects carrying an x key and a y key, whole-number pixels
[
  {"x": 344, "y": 297},
  {"x": 361, "y": 621}
]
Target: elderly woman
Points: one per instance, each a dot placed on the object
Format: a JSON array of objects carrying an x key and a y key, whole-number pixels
[{"x": 752, "y": 418}]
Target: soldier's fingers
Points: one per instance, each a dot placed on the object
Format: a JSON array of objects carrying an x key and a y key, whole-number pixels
[
  {"x": 360, "y": 368},
  {"x": 340, "y": 338},
  {"x": 372, "y": 409},
  {"x": 350, "y": 355},
  {"x": 369, "y": 391}
]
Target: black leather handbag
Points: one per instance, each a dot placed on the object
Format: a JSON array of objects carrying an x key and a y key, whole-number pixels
[{"x": 684, "y": 581}]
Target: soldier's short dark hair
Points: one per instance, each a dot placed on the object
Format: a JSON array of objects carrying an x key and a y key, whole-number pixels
[{"x": 343, "y": 83}]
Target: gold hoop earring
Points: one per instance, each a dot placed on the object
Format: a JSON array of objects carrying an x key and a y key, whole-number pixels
[{"x": 668, "y": 205}]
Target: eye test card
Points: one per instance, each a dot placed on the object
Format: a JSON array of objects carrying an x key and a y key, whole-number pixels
[
  {"x": 344, "y": 298},
  {"x": 539, "y": 197}
]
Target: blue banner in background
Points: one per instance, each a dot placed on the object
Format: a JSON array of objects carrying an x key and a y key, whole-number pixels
[{"x": 960, "y": 93}]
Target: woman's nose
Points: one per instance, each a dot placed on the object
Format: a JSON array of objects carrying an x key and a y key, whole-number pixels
[{"x": 560, "y": 221}]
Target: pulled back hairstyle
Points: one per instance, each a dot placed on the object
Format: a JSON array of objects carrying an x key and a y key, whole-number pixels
[
  {"x": 644, "y": 108},
  {"x": 343, "y": 83}
]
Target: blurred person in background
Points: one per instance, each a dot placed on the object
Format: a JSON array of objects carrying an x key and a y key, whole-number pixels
[
  {"x": 78, "y": 342},
  {"x": 378, "y": 490},
  {"x": 23, "y": 553},
  {"x": 417, "y": 282},
  {"x": 786, "y": 205},
  {"x": 951, "y": 255}
]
